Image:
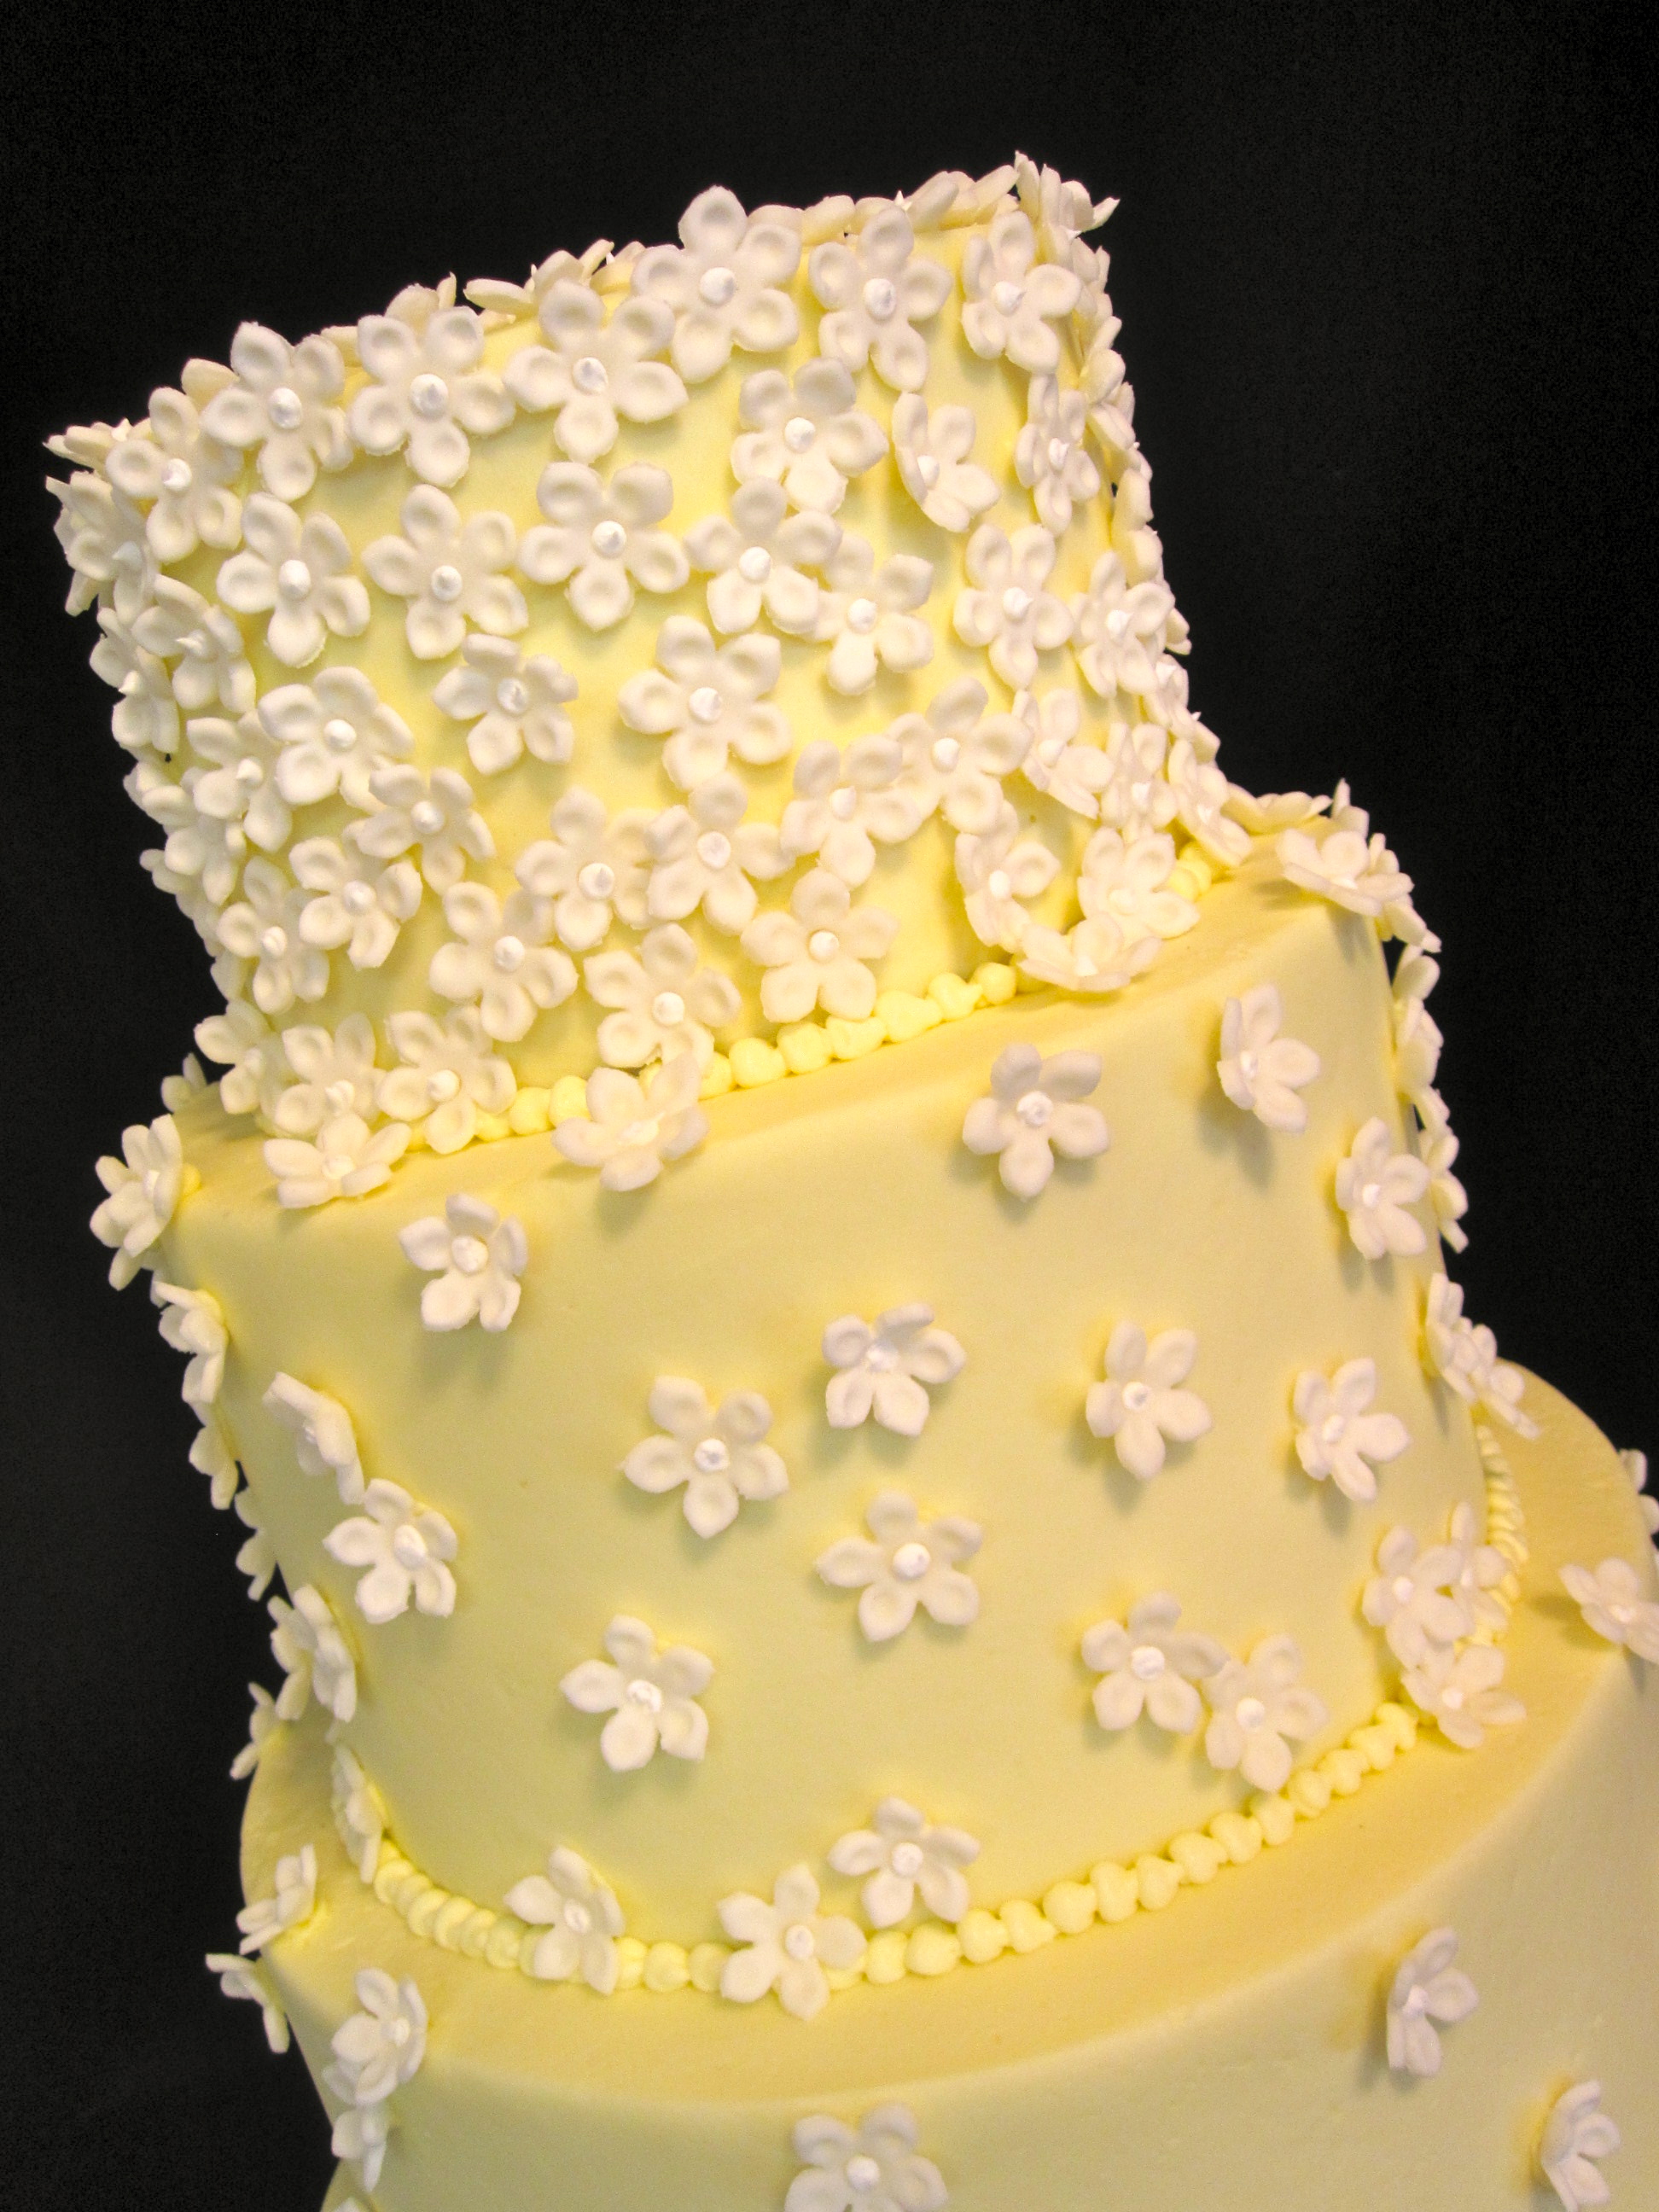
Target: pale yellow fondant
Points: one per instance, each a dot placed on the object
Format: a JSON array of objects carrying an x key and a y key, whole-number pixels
[{"x": 1225, "y": 2053}]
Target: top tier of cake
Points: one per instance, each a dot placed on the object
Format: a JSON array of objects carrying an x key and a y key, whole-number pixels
[{"x": 789, "y": 592}]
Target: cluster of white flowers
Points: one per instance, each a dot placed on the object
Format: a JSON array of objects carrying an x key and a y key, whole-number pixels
[
  {"x": 1439, "y": 1609},
  {"x": 376, "y": 2051}
]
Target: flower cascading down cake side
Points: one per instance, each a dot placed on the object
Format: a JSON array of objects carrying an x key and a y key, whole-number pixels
[{"x": 816, "y": 1253}]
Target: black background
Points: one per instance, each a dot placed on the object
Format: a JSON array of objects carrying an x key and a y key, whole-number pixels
[{"x": 1386, "y": 282}]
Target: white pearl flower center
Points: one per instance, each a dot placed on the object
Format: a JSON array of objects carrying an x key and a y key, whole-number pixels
[
  {"x": 442, "y": 1084},
  {"x": 668, "y": 1010},
  {"x": 293, "y": 582},
  {"x": 426, "y": 816},
  {"x": 337, "y": 1166},
  {"x": 397, "y": 2032},
  {"x": 1146, "y": 1662},
  {"x": 1005, "y": 297},
  {"x": 1121, "y": 899},
  {"x": 250, "y": 774},
  {"x": 714, "y": 849},
  {"x": 285, "y": 408},
  {"x": 1117, "y": 625},
  {"x": 340, "y": 1097},
  {"x": 273, "y": 942},
  {"x": 1016, "y": 603},
  {"x": 1059, "y": 454},
  {"x": 880, "y": 298},
  {"x": 1035, "y": 1110},
  {"x": 862, "y": 615},
  {"x": 911, "y": 1562},
  {"x": 588, "y": 374},
  {"x": 638, "y": 1135},
  {"x": 705, "y": 704},
  {"x": 512, "y": 695},
  {"x": 409, "y": 1547},
  {"x": 1249, "y": 1066},
  {"x": 716, "y": 286},
  {"x": 1136, "y": 1396},
  {"x": 945, "y": 753},
  {"x": 469, "y": 1255},
  {"x": 798, "y": 433},
  {"x": 1333, "y": 1429},
  {"x": 927, "y": 470},
  {"x": 609, "y": 539},
  {"x": 428, "y": 395},
  {"x": 711, "y": 1456},
  {"x": 508, "y": 954},
  {"x": 754, "y": 564},
  {"x": 597, "y": 880},
  {"x": 577, "y": 1918},
  {"x": 447, "y": 583},
  {"x": 1370, "y": 1194},
  {"x": 823, "y": 945},
  {"x": 1417, "y": 2002},
  {"x": 906, "y": 1860},
  {"x": 998, "y": 882},
  {"x": 1452, "y": 1698},
  {"x": 1623, "y": 1614},
  {"x": 177, "y": 478},
  {"x": 338, "y": 735},
  {"x": 862, "y": 2174},
  {"x": 843, "y": 802},
  {"x": 645, "y": 1694},
  {"x": 1251, "y": 1714},
  {"x": 357, "y": 897},
  {"x": 798, "y": 1942}
]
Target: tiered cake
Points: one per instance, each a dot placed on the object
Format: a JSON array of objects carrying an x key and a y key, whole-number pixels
[{"x": 819, "y": 1248}]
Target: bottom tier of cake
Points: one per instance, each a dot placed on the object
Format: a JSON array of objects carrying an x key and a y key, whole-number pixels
[{"x": 1227, "y": 2052}]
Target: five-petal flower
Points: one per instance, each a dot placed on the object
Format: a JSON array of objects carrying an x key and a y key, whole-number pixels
[
  {"x": 298, "y": 573},
  {"x": 501, "y": 958},
  {"x": 1337, "y": 1436},
  {"x": 450, "y": 571},
  {"x": 1465, "y": 1358},
  {"x": 1149, "y": 1664},
  {"x": 1259, "y": 1070},
  {"x": 787, "y": 1945},
  {"x": 632, "y": 1129},
  {"x": 875, "y": 288},
  {"x": 427, "y": 394},
  {"x": 1613, "y": 1604},
  {"x": 888, "y": 1367},
  {"x": 904, "y": 1563},
  {"x": 1426, "y": 1987},
  {"x": 1375, "y": 1186},
  {"x": 1576, "y": 2136},
  {"x": 1035, "y": 1110},
  {"x": 1258, "y": 1708},
  {"x": 665, "y": 1002},
  {"x": 651, "y": 1695},
  {"x": 1461, "y": 1691},
  {"x": 285, "y": 406},
  {"x": 145, "y": 1186},
  {"x": 515, "y": 704},
  {"x": 406, "y": 1549},
  {"x": 901, "y": 1852},
  {"x": 582, "y": 1919},
  {"x": 292, "y": 1903},
  {"x": 708, "y": 700},
  {"x": 346, "y": 1160},
  {"x": 1007, "y": 605},
  {"x": 869, "y": 613},
  {"x": 600, "y": 539},
  {"x": 756, "y": 558},
  {"x": 1140, "y": 1403},
  {"x": 722, "y": 283},
  {"x": 475, "y": 1259},
  {"x": 718, "y": 1454},
  {"x": 932, "y": 451},
  {"x": 816, "y": 955},
  {"x": 592, "y": 371},
  {"x": 878, "y": 2169},
  {"x": 805, "y": 434},
  {"x": 325, "y": 1441}
]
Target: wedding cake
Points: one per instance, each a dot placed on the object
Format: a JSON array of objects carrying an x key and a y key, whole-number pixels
[{"x": 815, "y": 1257}]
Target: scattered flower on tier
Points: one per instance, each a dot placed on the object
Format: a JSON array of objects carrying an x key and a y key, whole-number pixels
[
  {"x": 325, "y": 1441},
  {"x": 1612, "y": 1601},
  {"x": 718, "y": 1455},
  {"x": 1149, "y": 1664},
  {"x": 476, "y": 1259},
  {"x": 582, "y": 1919},
  {"x": 1338, "y": 1437},
  {"x": 245, "y": 1978},
  {"x": 1465, "y": 1358},
  {"x": 1460, "y": 1691},
  {"x": 887, "y": 1368},
  {"x": 376, "y": 2051},
  {"x": 875, "y": 2168},
  {"x": 293, "y": 1901},
  {"x": 193, "y": 1321},
  {"x": 313, "y": 1654},
  {"x": 262, "y": 1720},
  {"x": 1034, "y": 1111},
  {"x": 1375, "y": 1187},
  {"x": 1258, "y": 1708},
  {"x": 359, "y": 1812},
  {"x": 1141, "y": 1406},
  {"x": 1427, "y": 1989},
  {"x": 1261, "y": 1070},
  {"x": 901, "y": 1853},
  {"x": 906, "y": 1562},
  {"x": 633, "y": 1127},
  {"x": 1577, "y": 2136},
  {"x": 1635, "y": 1464},
  {"x": 145, "y": 1187},
  {"x": 406, "y": 1549},
  {"x": 651, "y": 1695},
  {"x": 787, "y": 1945}
]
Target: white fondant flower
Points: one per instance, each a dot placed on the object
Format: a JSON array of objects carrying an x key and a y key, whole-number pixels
[
  {"x": 450, "y": 572},
  {"x": 956, "y": 756},
  {"x": 868, "y": 613},
  {"x": 242, "y": 1041},
  {"x": 1128, "y": 882},
  {"x": 325, "y": 1442},
  {"x": 582, "y": 1919},
  {"x": 1259, "y": 1070},
  {"x": 313, "y": 1656},
  {"x": 211, "y": 668},
  {"x": 1139, "y": 1404},
  {"x": 193, "y": 1321},
  {"x": 262, "y": 1721},
  {"x": 1460, "y": 1690},
  {"x": 1011, "y": 306},
  {"x": 932, "y": 451},
  {"x": 1258, "y": 1708},
  {"x": 292, "y": 1904},
  {"x": 241, "y": 1978},
  {"x": 1375, "y": 1185},
  {"x": 631, "y": 1128},
  {"x": 666, "y": 1003},
  {"x": 406, "y": 1551},
  {"x": 755, "y": 557},
  {"x": 427, "y": 392},
  {"x": 285, "y": 403},
  {"x": 806, "y": 435},
  {"x": 590, "y": 868},
  {"x": 877, "y": 289},
  {"x": 346, "y": 1160},
  {"x": 380, "y": 2046},
  {"x": 357, "y": 902},
  {"x": 1008, "y": 606},
  {"x": 264, "y": 926},
  {"x": 720, "y": 1455},
  {"x": 910, "y": 1562},
  {"x": 998, "y": 870},
  {"x": 1121, "y": 630},
  {"x": 359, "y": 1812},
  {"x": 1034, "y": 1111},
  {"x": 1465, "y": 1358},
  {"x": 476, "y": 1258},
  {"x": 1055, "y": 764},
  {"x": 887, "y": 1368},
  {"x": 703, "y": 854},
  {"x": 213, "y": 1455},
  {"x": 1482, "y": 1571},
  {"x": 601, "y": 537},
  {"x": 708, "y": 701},
  {"x": 592, "y": 371},
  {"x": 787, "y": 1945},
  {"x": 1203, "y": 796},
  {"x": 146, "y": 715},
  {"x": 721, "y": 282},
  {"x": 333, "y": 1075},
  {"x": 145, "y": 1186},
  {"x": 240, "y": 785},
  {"x": 1336, "y": 1437},
  {"x": 1344, "y": 868},
  {"x": 1577, "y": 2135},
  {"x": 1612, "y": 1603},
  {"x": 1136, "y": 793},
  {"x": 877, "y": 2170},
  {"x": 360, "y": 2134},
  {"x": 432, "y": 815},
  {"x": 816, "y": 954},
  {"x": 1148, "y": 1664},
  {"x": 844, "y": 800},
  {"x": 297, "y": 573},
  {"x": 1417, "y": 1037},
  {"x": 901, "y": 1853},
  {"x": 1438, "y": 1149},
  {"x": 448, "y": 1077},
  {"x": 1090, "y": 959},
  {"x": 1426, "y": 1987},
  {"x": 651, "y": 1695},
  {"x": 515, "y": 705},
  {"x": 257, "y": 1558},
  {"x": 1415, "y": 1596},
  {"x": 501, "y": 958},
  {"x": 1050, "y": 459},
  {"x": 183, "y": 474},
  {"x": 334, "y": 732},
  {"x": 1635, "y": 1464}
]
